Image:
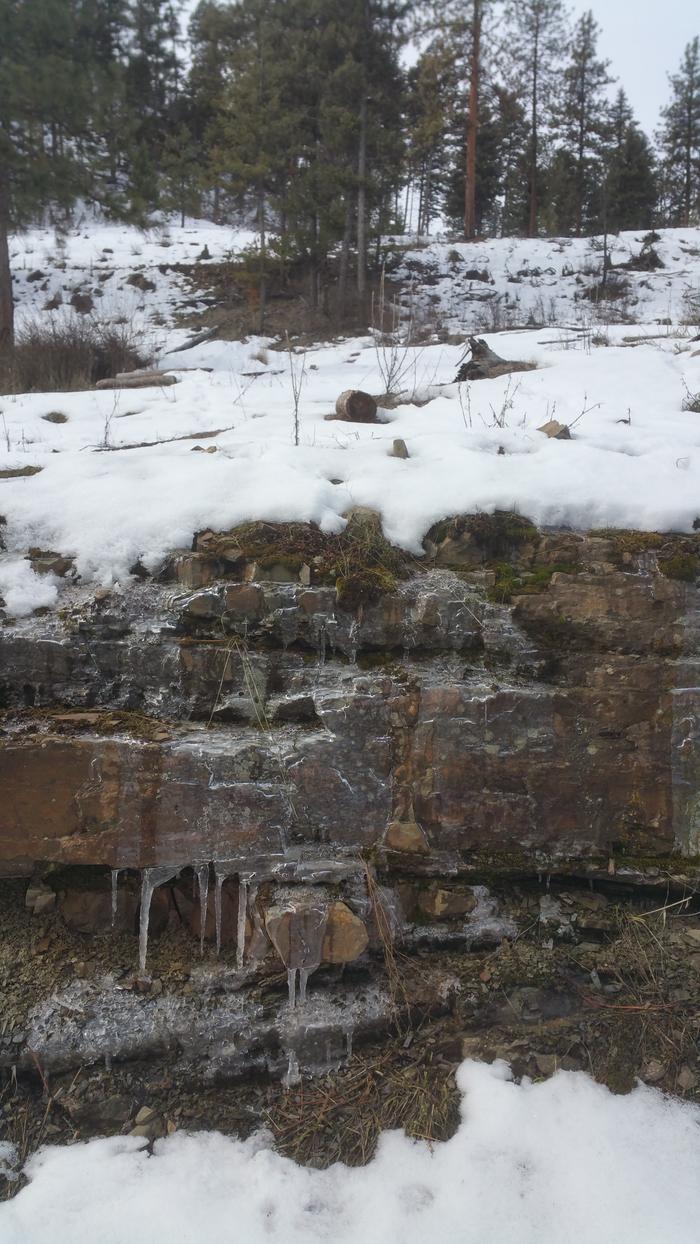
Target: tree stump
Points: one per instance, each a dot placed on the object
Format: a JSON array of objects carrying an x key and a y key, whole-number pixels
[{"x": 354, "y": 406}]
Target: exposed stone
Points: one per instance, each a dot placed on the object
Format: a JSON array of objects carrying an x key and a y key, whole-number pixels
[
  {"x": 407, "y": 837},
  {"x": 98, "y": 1113},
  {"x": 555, "y": 430},
  {"x": 145, "y": 1115},
  {"x": 204, "y": 605},
  {"x": 50, "y": 563},
  {"x": 687, "y": 1080},
  {"x": 39, "y": 899},
  {"x": 440, "y": 904},
  {"x": 399, "y": 449},
  {"x": 90, "y": 911},
  {"x": 296, "y": 931},
  {"x": 346, "y": 937},
  {"x": 244, "y": 600}
]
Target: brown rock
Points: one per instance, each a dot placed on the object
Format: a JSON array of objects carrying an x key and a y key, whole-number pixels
[
  {"x": 555, "y": 430},
  {"x": 406, "y": 836},
  {"x": 245, "y": 600},
  {"x": 297, "y": 931},
  {"x": 346, "y": 937},
  {"x": 439, "y": 904},
  {"x": 204, "y": 605},
  {"x": 399, "y": 450},
  {"x": 90, "y": 911}
]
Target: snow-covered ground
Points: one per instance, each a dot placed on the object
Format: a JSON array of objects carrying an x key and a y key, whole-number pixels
[
  {"x": 118, "y": 481},
  {"x": 530, "y": 1164},
  {"x": 512, "y": 282}
]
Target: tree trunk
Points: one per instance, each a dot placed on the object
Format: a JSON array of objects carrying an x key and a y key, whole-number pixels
[
  {"x": 7, "y": 306},
  {"x": 534, "y": 122},
  {"x": 473, "y": 123},
  {"x": 262, "y": 274},
  {"x": 344, "y": 261},
  {"x": 362, "y": 197}
]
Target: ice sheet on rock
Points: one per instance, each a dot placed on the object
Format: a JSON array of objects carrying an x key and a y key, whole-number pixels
[
  {"x": 484, "y": 926},
  {"x": 529, "y": 1164}
]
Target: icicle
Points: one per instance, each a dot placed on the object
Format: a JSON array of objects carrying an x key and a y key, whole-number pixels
[
  {"x": 217, "y": 909},
  {"x": 202, "y": 873},
  {"x": 115, "y": 882},
  {"x": 304, "y": 974},
  {"x": 348, "y": 1042},
  {"x": 147, "y": 888},
  {"x": 292, "y": 1077},
  {"x": 150, "y": 878},
  {"x": 549, "y": 878},
  {"x": 292, "y": 987},
  {"x": 242, "y": 914}
]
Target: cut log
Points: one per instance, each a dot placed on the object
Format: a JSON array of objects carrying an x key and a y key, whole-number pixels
[
  {"x": 139, "y": 380},
  {"x": 354, "y": 406}
]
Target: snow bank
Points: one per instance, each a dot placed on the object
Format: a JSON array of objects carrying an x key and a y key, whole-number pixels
[
  {"x": 530, "y": 1164},
  {"x": 119, "y": 481}
]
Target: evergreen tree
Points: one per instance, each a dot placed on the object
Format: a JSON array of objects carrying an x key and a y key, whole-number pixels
[
  {"x": 680, "y": 139},
  {"x": 536, "y": 38},
  {"x": 43, "y": 112},
  {"x": 152, "y": 84},
  {"x": 582, "y": 117},
  {"x": 630, "y": 189}
]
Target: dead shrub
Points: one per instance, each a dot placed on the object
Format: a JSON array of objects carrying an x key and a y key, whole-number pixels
[{"x": 67, "y": 353}]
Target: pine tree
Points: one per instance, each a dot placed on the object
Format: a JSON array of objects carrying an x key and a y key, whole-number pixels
[
  {"x": 536, "y": 38},
  {"x": 582, "y": 113},
  {"x": 152, "y": 85},
  {"x": 680, "y": 139},
  {"x": 43, "y": 113},
  {"x": 630, "y": 189}
]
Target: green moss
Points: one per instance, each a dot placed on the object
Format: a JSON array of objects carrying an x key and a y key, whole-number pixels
[
  {"x": 360, "y": 561},
  {"x": 510, "y": 582},
  {"x": 631, "y": 541},
  {"x": 364, "y": 587},
  {"x": 683, "y": 566},
  {"x": 496, "y": 536}
]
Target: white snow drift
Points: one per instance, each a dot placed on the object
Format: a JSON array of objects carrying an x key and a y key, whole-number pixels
[
  {"x": 530, "y": 1164},
  {"x": 120, "y": 483}
]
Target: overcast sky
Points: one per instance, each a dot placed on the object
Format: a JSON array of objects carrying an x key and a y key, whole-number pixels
[{"x": 643, "y": 40}]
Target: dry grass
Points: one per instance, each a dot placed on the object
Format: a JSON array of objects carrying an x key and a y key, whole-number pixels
[
  {"x": 340, "y": 1117},
  {"x": 66, "y": 353}
]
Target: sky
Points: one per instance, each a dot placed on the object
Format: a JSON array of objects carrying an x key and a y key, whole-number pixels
[{"x": 643, "y": 40}]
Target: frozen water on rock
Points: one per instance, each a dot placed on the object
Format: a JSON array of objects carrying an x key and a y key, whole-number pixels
[
  {"x": 292, "y": 987},
  {"x": 202, "y": 875},
  {"x": 115, "y": 894},
  {"x": 242, "y": 917},
  {"x": 150, "y": 879},
  {"x": 484, "y": 926}
]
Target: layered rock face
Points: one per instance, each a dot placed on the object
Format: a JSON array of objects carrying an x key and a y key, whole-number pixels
[
  {"x": 527, "y": 694},
  {"x": 301, "y": 761}
]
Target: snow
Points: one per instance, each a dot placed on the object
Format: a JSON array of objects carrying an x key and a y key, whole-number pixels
[
  {"x": 530, "y": 1164},
  {"x": 120, "y": 483}
]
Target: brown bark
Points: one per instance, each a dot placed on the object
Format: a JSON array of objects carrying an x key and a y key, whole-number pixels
[
  {"x": 473, "y": 122},
  {"x": 7, "y": 306}
]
